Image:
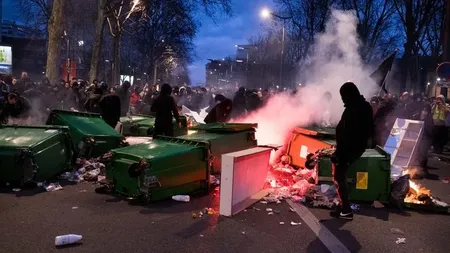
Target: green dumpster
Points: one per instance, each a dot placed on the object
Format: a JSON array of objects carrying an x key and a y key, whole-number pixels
[
  {"x": 142, "y": 125},
  {"x": 369, "y": 178},
  {"x": 167, "y": 166},
  {"x": 33, "y": 153},
  {"x": 92, "y": 137},
  {"x": 223, "y": 138}
]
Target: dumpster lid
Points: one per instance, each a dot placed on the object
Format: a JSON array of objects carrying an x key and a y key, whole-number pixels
[
  {"x": 225, "y": 127},
  {"x": 316, "y": 131},
  {"x": 26, "y": 136},
  {"x": 136, "y": 118},
  {"x": 84, "y": 122},
  {"x": 156, "y": 148}
]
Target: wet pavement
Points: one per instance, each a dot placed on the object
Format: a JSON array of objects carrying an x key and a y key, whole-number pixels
[{"x": 30, "y": 220}]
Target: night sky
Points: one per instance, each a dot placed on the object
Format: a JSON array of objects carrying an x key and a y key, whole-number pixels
[{"x": 214, "y": 40}]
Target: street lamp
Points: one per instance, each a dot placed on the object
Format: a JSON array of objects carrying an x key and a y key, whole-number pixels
[{"x": 265, "y": 14}]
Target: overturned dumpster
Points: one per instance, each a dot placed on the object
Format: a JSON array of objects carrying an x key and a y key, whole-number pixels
[
  {"x": 143, "y": 125},
  {"x": 223, "y": 138},
  {"x": 308, "y": 140},
  {"x": 33, "y": 153},
  {"x": 158, "y": 170},
  {"x": 91, "y": 136}
]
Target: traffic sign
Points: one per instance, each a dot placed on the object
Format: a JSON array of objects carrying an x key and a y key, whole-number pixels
[{"x": 443, "y": 70}]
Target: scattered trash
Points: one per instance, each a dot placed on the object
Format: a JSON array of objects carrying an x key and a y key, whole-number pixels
[
  {"x": 292, "y": 210},
  {"x": 295, "y": 223},
  {"x": 67, "y": 239},
  {"x": 243, "y": 232},
  {"x": 281, "y": 223},
  {"x": 74, "y": 207},
  {"x": 101, "y": 178},
  {"x": 53, "y": 187},
  {"x": 445, "y": 181},
  {"x": 268, "y": 209},
  {"x": 256, "y": 209},
  {"x": 270, "y": 213},
  {"x": 70, "y": 176},
  {"x": 83, "y": 191},
  {"x": 16, "y": 189},
  {"x": 194, "y": 215},
  {"x": 263, "y": 202},
  {"x": 354, "y": 207},
  {"x": 324, "y": 188},
  {"x": 245, "y": 210},
  {"x": 201, "y": 235},
  {"x": 214, "y": 180},
  {"x": 400, "y": 241},
  {"x": 397, "y": 231},
  {"x": 378, "y": 204},
  {"x": 277, "y": 211},
  {"x": 40, "y": 184},
  {"x": 181, "y": 198}
]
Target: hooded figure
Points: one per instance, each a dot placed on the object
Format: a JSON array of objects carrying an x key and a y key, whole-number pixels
[
  {"x": 352, "y": 135},
  {"x": 165, "y": 108},
  {"x": 110, "y": 109},
  {"x": 221, "y": 112}
]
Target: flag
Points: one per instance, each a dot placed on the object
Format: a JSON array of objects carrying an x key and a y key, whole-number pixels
[{"x": 380, "y": 74}]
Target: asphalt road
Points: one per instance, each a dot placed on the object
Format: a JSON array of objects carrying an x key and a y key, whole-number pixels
[{"x": 29, "y": 221}]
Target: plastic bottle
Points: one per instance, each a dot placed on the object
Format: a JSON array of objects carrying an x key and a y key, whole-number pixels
[
  {"x": 67, "y": 239},
  {"x": 182, "y": 198}
]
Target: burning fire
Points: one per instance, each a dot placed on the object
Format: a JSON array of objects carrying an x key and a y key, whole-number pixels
[{"x": 418, "y": 194}]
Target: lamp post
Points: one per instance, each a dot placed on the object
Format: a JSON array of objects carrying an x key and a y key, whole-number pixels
[{"x": 265, "y": 14}]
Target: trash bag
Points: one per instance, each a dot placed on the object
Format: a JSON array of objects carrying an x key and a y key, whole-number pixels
[{"x": 399, "y": 190}]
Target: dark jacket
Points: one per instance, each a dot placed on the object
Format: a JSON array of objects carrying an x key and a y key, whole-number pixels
[
  {"x": 110, "y": 108},
  {"x": 220, "y": 113},
  {"x": 356, "y": 125},
  {"x": 163, "y": 107},
  {"x": 21, "y": 109}
]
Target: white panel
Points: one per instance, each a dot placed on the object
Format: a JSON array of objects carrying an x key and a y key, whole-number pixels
[
  {"x": 243, "y": 177},
  {"x": 403, "y": 141}
]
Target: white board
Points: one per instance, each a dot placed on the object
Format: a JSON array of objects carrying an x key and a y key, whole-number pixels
[
  {"x": 403, "y": 141},
  {"x": 243, "y": 178}
]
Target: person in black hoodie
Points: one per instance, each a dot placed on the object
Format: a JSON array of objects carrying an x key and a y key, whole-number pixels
[
  {"x": 165, "y": 108},
  {"x": 352, "y": 136},
  {"x": 110, "y": 109}
]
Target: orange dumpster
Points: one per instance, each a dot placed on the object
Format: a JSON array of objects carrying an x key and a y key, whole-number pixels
[{"x": 308, "y": 140}]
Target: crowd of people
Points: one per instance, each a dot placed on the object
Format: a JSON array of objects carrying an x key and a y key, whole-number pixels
[
  {"x": 24, "y": 101},
  {"x": 22, "y": 98},
  {"x": 434, "y": 112}
]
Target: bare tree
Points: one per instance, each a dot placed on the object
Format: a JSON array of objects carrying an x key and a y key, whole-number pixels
[
  {"x": 98, "y": 40},
  {"x": 55, "y": 31},
  {"x": 415, "y": 16}
]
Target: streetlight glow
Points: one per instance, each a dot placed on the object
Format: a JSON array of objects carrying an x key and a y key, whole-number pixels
[{"x": 265, "y": 13}]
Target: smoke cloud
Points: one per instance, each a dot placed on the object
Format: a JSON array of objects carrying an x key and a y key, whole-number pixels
[{"x": 334, "y": 60}]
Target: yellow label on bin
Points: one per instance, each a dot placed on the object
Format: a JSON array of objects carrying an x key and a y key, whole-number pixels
[{"x": 362, "y": 180}]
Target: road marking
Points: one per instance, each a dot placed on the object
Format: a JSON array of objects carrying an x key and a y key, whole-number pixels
[{"x": 325, "y": 236}]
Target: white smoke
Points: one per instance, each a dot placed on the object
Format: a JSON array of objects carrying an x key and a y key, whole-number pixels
[{"x": 335, "y": 60}]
